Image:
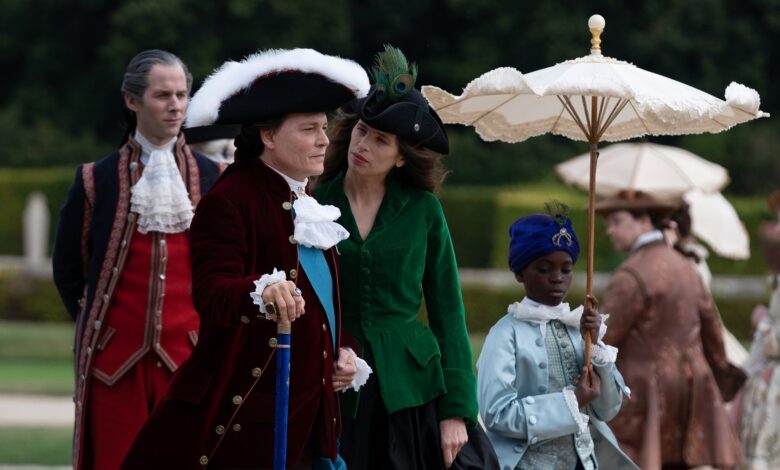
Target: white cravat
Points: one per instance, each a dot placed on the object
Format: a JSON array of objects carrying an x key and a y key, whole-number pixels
[
  {"x": 159, "y": 197},
  {"x": 315, "y": 224}
]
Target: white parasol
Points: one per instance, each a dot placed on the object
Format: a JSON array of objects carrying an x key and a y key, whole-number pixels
[
  {"x": 592, "y": 98},
  {"x": 660, "y": 170},
  {"x": 668, "y": 173},
  {"x": 715, "y": 221}
]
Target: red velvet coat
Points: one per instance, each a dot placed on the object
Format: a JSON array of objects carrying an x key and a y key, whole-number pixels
[{"x": 218, "y": 410}]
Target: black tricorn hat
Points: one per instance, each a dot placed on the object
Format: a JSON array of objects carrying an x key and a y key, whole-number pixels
[
  {"x": 393, "y": 104},
  {"x": 272, "y": 83}
]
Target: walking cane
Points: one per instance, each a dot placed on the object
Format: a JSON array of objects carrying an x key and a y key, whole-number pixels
[{"x": 282, "y": 394}]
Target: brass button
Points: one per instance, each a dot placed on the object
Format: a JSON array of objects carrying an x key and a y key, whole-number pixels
[
  {"x": 323, "y": 381},
  {"x": 162, "y": 277},
  {"x": 324, "y": 328},
  {"x": 334, "y": 420},
  {"x": 293, "y": 273},
  {"x": 272, "y": 342},
  {"x": 286, "y": 205},
  {"x": 292, "y": 239},
  {"x": 256, "y": 372},
  {"x": 236, "y": 427},
  {"x": 204, "y": 460},
  {"x": 324, "y": 354},
  {"x": 220, "y": 429},
  {"x": 158, "y": 364},
  {"x": 115, "y": 270},
  {"x": 237, "y": 399},
  {"x": 244, "y": 319},
  {"x": 105, "y": 297},
  {"x": 124, "y": 243}
]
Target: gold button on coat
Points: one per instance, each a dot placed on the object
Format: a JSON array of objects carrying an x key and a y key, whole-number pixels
[
  {"x": 220, "y": 429},
  {"x": 293, "y": 273},
  {"x": 272, "y": 342},
  {"x": 325, "y": 354},
  {"x": 204, "y": 460},
  {"x": 286, "y": 205},
  {"x": 256, "y": 372},
  {"x": 244, "y": 319},
  {"x": 236, "y": 427},
  {"x": 237, "y": 399},
  {"x": 292, "y": 239}
]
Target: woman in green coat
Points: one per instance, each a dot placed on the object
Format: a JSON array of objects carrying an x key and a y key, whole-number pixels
[{"x": 381, "y": 169}]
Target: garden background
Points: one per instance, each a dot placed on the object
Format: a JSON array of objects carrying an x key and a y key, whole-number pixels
[{"x": 60, "y": 105}]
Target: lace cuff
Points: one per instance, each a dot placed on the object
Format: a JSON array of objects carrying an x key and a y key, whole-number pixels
[
  {"x": 260, "y": 285},
  {"x": 363, "y": 371},
  {"x": 574, "y": 408},
  {"x": 603, "y": 354}
]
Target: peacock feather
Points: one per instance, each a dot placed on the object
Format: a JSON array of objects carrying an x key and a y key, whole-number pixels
[
  {"x": 558, "y": 211},
  {"x": 393, "y": 75}
]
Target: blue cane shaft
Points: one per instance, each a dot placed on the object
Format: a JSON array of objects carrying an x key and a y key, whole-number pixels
[{"x": 282, "y": 395}]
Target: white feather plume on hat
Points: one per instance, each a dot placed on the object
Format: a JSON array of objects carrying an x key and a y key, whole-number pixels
[{"x": 233, "y": 77}]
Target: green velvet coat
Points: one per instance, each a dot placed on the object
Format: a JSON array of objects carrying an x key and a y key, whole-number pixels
[{"x": 407, "y": 255}]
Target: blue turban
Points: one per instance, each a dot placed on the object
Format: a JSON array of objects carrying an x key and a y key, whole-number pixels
[{"x": 536, "y": 235}]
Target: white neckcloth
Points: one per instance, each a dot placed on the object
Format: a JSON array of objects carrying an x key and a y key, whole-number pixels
[
  {"x": 159, "y": 197},
  {"x": 315, "y": 224}
]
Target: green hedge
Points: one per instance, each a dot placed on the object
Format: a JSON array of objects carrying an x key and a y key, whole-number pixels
[
  {"x": 485, "y": 306},
  {"x": 29, "y": 299},
  {"x": 15, "y": 187},
  {"x": 479, "y": 220}
]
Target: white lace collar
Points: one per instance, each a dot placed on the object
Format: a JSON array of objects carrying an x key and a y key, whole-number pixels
[
  {"x": 647, "y": 237},
  {"x": 147, "y": 147},
  {"x": 159, "y": 197},
  {"x": 315, "y": 224},
  {"x": 533, "y": 311}
]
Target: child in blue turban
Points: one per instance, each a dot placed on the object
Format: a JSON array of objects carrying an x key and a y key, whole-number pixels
[{"x": 542, "y": 408}]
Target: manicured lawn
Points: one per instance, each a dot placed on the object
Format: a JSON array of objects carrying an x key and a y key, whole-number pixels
[
  {"x": 40, "y": 446},
  {"x": 36, "y": 358}
]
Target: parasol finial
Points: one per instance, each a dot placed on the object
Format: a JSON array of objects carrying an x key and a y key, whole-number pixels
[{"x": 596, "y": 25}]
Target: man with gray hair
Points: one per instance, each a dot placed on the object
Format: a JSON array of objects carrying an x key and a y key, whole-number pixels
[{"x": 122, "y": 262}]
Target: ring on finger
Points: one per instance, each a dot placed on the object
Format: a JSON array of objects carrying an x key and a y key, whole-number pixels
[{"x": 297, "y": 291}]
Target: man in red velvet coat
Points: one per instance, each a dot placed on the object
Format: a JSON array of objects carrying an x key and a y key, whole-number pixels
[
  {"x": 122, "y": 263},
  {"x": 258, "y": 238}
]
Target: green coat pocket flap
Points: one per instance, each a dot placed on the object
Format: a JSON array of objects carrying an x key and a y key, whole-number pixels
[{"x": 424, "y": 348}]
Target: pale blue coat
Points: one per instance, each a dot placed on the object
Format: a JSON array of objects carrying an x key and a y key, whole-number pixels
[{"x": 512, "y": 380}]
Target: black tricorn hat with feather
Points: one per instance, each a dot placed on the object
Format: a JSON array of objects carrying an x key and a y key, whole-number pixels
[{"x": 394, "y": 105}]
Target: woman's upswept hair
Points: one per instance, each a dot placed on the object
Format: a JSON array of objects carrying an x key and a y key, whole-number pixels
[{"x": 423, "y": 168}]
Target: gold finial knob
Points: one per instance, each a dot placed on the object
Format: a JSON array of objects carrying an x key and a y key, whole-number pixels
[{"x": 596, "y": 25}]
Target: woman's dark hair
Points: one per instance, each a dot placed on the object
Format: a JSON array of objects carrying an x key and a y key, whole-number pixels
[
  {"x": 682, "y": 218},
  {"x": 658, "y": 218},
  {"x": 249, "y": 144},
  {"x": 423, "y": 168}
]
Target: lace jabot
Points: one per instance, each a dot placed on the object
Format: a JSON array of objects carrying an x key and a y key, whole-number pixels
[{"x": 159, "y": 197}]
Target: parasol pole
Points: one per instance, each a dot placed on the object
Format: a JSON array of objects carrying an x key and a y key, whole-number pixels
[
  {"x": 282, "y": 394},
  {"x": 596, "y": 25},
  {"x": 594, "y": 154}
]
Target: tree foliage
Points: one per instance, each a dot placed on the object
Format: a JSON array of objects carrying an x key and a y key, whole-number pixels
[{"x": 63, "y": 63}]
